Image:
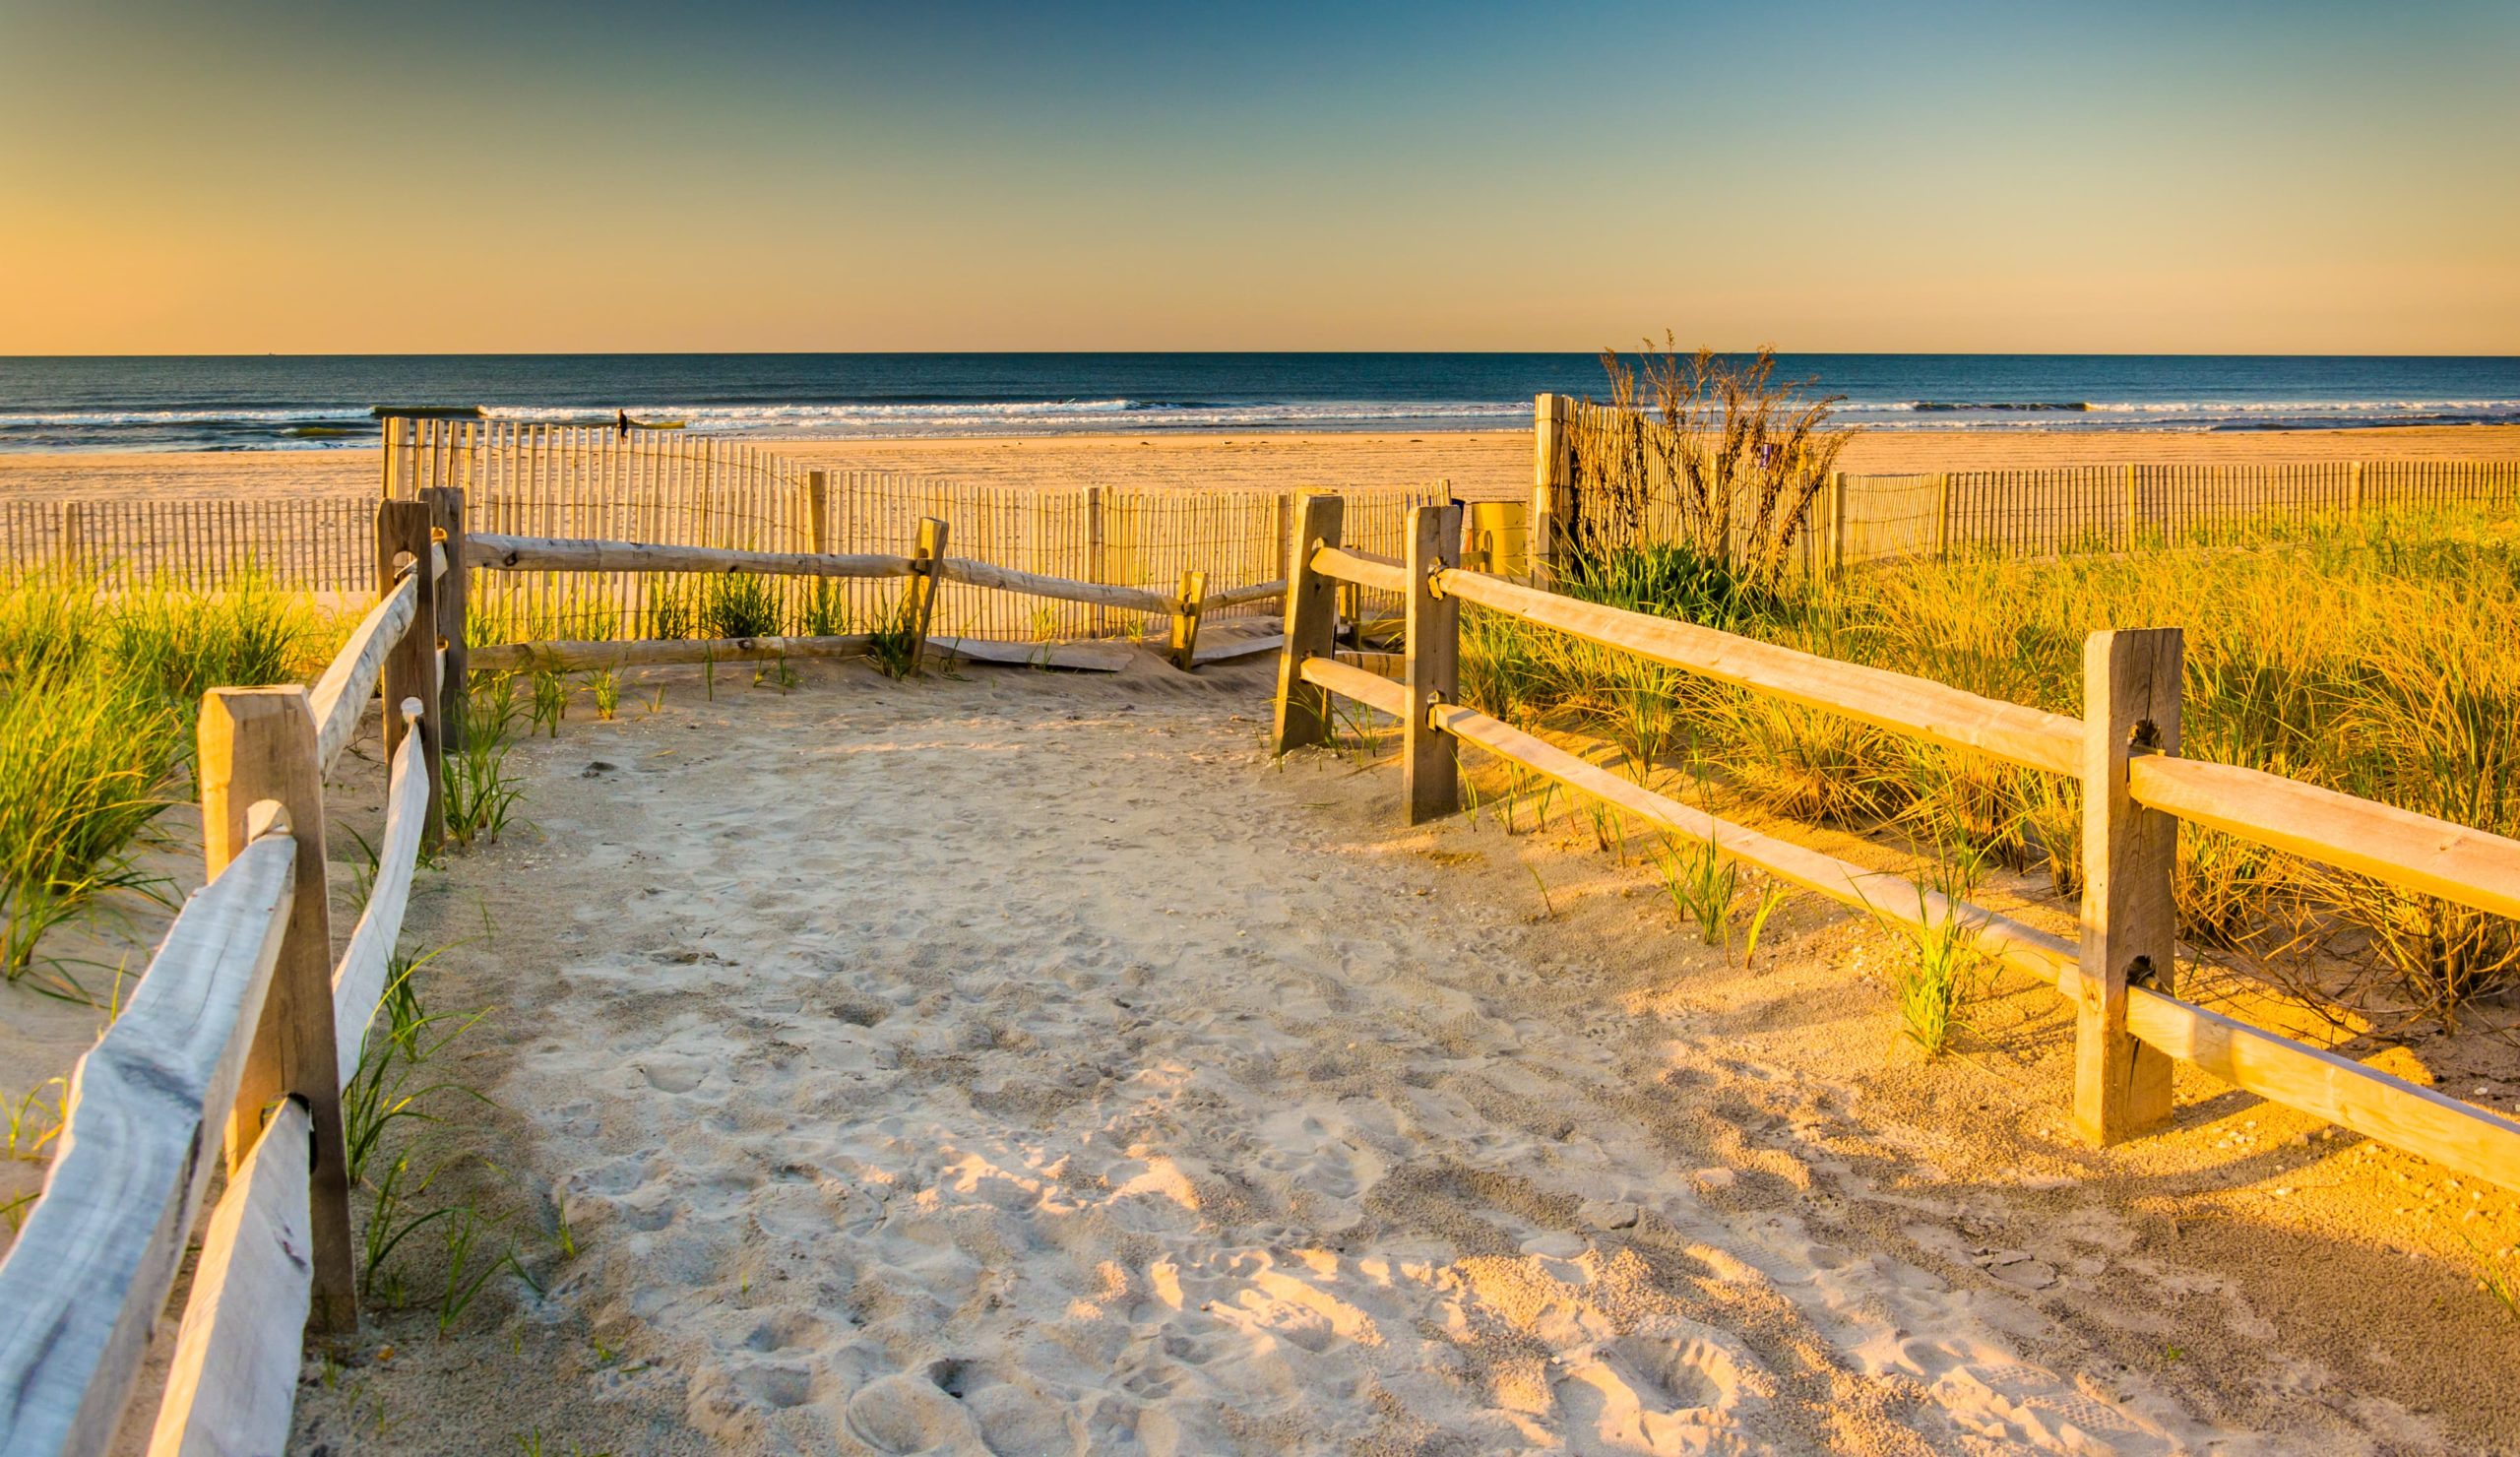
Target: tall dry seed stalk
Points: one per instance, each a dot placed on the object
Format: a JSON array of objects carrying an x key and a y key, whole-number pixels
[{"x": 1719, "y": 457}]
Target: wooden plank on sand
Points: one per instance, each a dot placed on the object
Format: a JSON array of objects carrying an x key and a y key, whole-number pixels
[{"x": 1089, "y": 657}]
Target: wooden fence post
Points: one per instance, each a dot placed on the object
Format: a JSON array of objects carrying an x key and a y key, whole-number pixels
[
  {"x": 406, "y": 473},
  {"x": 1837, "y": 523},
  {"x": 1429, "y": 766},
  {"x": 2133, "y": 510},
  {"x": 1098, "y": 620},
  {"x": 453, "y": 600},
  {"x": 1313, "y": 625},
  {"x": 2129, "y": 923},
  {"x": 2353, "y": 489},
  {"x": 818, "y": 594},
  {"x": 1943, "y": 515},
  {"x": 257, "y": 745},
  {"x": 408, "y": 527},
  {"x": 926, "y": 565},
  {"x": 1185, "y": 620},
  {"x": 1553, "y": 498},
  {"x": 818, "y": 512}
]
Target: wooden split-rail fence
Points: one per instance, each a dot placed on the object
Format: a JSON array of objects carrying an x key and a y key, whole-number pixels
[
  {"x": 2119, "y": 974},
  {"x": 671, "y": 487},
  {"x": 242, "y": 1035},
  {"x": 924, "y": 573},
  {"x": 1579, "y": 446}
]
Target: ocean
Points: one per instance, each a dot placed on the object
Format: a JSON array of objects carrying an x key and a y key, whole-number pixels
[{"x": 315, "y": 401}]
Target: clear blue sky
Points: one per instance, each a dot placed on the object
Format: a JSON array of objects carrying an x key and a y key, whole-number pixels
[{"x": 303, "y": 176}]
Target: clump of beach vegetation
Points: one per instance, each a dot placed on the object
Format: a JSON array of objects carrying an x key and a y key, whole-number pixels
[
  {"x": 2375, "y": 653},
  {"x": 100, "y": 683},
  {"x": 1715, "y": 456},
  {"x": 2378, "y": 655}
]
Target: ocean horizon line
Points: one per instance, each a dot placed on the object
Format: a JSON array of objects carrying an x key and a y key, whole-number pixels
[{"x": 188, "y": 403}]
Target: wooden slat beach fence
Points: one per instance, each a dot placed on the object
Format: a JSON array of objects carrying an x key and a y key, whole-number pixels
[
  {"x": 671, "y": 487},
  {"x": 2126, "y": 507},
  {"x": 2121, "y": 974},
  {"x": 1599, "y": 476},
  {"x": 318, "y": 544}
]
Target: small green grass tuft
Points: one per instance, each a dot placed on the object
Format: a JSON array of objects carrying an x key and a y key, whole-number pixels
[
  {"x": 738, "y": 604},
  {"x": 550, "y": 703},
  {"x": 481, "y": 793},
  {"x": 469, "y": 1264},
  {"x": 34, "y": 1124},
  {"x": 1702, "y": 886},
  {"x": 604, "y": 684},
  {"x": 895, "y": 645},
  {"x": 823, "y": 611}
]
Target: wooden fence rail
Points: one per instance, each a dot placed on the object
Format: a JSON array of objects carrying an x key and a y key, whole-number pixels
[
  {"x": 925, "y": 571},
  {"x": 671, "y": 487},
  {"x": 2120, "y": 977},
  {"x": 93, "y": 1262},
  {"x": 242, "y": 1023}
]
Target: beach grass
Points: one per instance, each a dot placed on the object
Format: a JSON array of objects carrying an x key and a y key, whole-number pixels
[
  {"x": 100, "y": 682},
  {"x": 2378, "y": 655},
  {"x": 480, "y": 792}
]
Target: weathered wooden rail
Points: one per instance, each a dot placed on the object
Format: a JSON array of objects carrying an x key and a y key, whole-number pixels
[
  {"x": 243, "y": 1031},
  {"x": 2121, "y": 977},
  {"x": 927, "y": 565},
  {"x": 671, "y": 486}
]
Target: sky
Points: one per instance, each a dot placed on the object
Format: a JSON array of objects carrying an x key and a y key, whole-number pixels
[{"x": 459, "y": 175}]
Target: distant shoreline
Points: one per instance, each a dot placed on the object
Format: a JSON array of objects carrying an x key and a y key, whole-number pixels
[{"x": 314, "y": 403}]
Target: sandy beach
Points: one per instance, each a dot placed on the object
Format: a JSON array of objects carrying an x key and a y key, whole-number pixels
[
  {"x": 1484, "y": 466},
  {"x": 1020, "y": 1062}
]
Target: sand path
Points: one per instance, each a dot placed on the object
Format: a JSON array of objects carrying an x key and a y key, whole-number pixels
[{"x": 1021, "y": 1065}]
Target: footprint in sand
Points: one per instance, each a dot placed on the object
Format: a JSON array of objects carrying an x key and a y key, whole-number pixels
[
  {"x": 1651, "y": 1393},
  {"x": 777, "y": 1387},
  {"x": 673, "y": 1079},
  {"x": 910, "y": 1413},
  {"x": 787, "y": 1329},
  {"x": 2017, "y": 1268}
]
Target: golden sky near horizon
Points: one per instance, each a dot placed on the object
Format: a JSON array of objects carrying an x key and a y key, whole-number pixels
[{"x": 282, "y": 176}]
